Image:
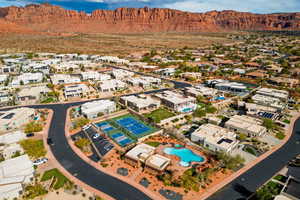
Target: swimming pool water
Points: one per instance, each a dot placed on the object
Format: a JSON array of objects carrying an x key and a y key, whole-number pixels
[{"x": 186, "y": 155}]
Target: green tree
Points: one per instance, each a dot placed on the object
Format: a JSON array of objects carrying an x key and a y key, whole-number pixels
[
  {"x": 83, "y": 144},
  {"x": 269, "y": 124}
]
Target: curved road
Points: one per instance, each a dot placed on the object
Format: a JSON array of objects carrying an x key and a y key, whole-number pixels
[
  {"x": 250, "y": 181},
  {"x": 240, "y": 188},
  {"x": 82, "y": 170}
]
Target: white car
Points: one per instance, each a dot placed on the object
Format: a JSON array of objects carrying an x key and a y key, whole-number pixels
[
  {"x": 96, "y": 136},
  {"x": 86, "y": 127},
  {"x": 40, "y": 161}
]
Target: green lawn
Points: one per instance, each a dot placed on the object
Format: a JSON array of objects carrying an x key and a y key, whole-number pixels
[
  {"x": 159, "y": 114},
  {"x": 250, "y": 150},
  {"x": 280, "y": 135},
  {"x": 154, "y": 144},
  {"x": 34, "y": 148},
  {"x": 61, "y": 180},
  {"x": 280, "y": 178}
]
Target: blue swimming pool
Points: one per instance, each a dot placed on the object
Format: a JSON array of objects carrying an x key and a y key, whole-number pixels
[
  {"x": 186, "y": 155},
  {"x": 219, "y": 98}
]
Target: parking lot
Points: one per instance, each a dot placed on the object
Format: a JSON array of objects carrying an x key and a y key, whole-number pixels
[
  {"x": 100, "y": 141},
  {"x": 94, "y": 156}
]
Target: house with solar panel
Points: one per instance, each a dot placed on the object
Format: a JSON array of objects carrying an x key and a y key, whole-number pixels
[{"x": 215, "y": 138}]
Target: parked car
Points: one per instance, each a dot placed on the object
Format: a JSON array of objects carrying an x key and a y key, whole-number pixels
[
  {"x": 50, "y": 141},
  {"x": 40, "y": 161},
  {"x": 86, "y": 127},
  {"x": 95, "y": 136},
  {"x": 30, "y": 134}
]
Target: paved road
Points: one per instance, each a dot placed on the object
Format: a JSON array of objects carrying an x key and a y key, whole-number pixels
[
  {"x": 248, "y": 182},
  {"x": 240, "y": 188},
  {"x": 83, "y": 171}
]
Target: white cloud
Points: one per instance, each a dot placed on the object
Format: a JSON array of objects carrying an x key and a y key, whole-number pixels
[{"x": 260, "y": 6}]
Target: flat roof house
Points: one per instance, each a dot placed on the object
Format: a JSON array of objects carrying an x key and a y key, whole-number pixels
[
  {"x": 12, "y": 137},
  {"x": 5, "y": 98},
  {"x": 200, "y": 90},
  {"x": 112, "y": 85},
  {"x": 177, "y": 102},
  {"x": 140, "y": 103},
  {"x": 13, "y": 173},
  {"x": 120, "y": 73},
  {"x": 268, "y": 101},
  {"x": 58, "y": 79},
  {"x": 75, "y": 90},
  {"x": 15, "y": 118},
  {"x": 65, "y": 67},
  {"x": 231, "y": 87},
  {"x": 92, "y": 109},
  {"x": 246, "y": 124},
  {"x": 215, "y": 138},
  {"x": 280, "y": 94},
  {"x": 112, "y": 59},
  {"x": 95, "y": 76},
  {"x": 31, "y": 95},
  {"x": 3, "y": 78},
  {"x": 27, "y": 78},
  {"x": 145, "y": 154}
]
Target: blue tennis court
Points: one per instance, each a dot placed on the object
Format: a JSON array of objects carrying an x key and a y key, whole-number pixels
[
  {"x": 134, "y": 126},
  {"x": 125, "y": 142},
  {"x": 116, "y": 135},
  {"x": 105, "y": 126},
  {"x": 121, "y": 139}
]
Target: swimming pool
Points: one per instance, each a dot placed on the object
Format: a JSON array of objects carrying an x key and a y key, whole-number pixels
[{"x": 186, "y": 155}]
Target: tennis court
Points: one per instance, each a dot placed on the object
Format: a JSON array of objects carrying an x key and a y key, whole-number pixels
[
  {"x": 121, "y": 139},
  {"x": 133, "y": 125},
  {"x": 105, "y": 126}
]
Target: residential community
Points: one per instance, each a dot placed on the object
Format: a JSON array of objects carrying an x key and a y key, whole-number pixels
[{"x": 176, "y": 124}]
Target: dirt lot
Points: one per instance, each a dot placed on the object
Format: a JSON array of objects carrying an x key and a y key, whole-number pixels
[{"x": 110, "y": 44}]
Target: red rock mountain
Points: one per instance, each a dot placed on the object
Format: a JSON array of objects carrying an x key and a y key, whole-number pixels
[{"x": 49, "y": 18}]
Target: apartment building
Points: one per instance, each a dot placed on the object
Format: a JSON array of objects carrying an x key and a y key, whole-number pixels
[{"x": 215, "y": 138}]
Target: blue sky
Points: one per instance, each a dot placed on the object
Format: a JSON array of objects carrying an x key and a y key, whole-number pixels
[{"x": 257, "y": 6}]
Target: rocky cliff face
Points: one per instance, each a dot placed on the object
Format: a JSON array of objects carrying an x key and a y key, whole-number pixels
[{"x": 51, "y": 18}]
